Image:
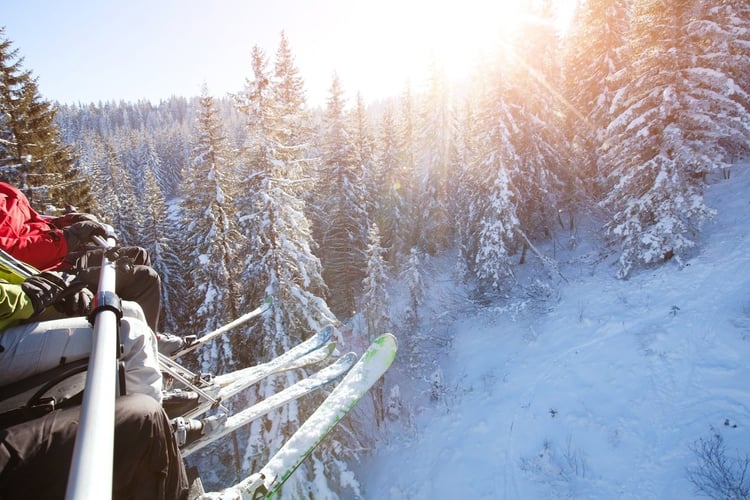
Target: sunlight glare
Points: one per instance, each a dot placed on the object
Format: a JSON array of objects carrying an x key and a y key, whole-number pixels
[
  {"x": 405, "y": 39},
  {"x": 458, "y": 34}
]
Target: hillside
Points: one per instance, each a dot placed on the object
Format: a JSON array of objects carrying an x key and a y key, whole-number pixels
[{"x": 590, "y": 388}]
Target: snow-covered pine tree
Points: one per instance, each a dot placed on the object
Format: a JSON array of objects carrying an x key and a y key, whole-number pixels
[
  {"x": 415, "y": 285},
  {"x": 672, "y": 111},
  {"x": 148, "y": 159},
  {"x": 722, "y": 45},
  {"x": 172, "y": 143},
  {"x": 490, "y": 222},
  {"x": 154, "y": 228},
  {"x": 288, "y": 92},
  {"x": 433, "y": 136},
  {"x": 595, "y": 49},
  {"x": 100, "y": 164},
  {"x": 407, "y": 170},
  {"x": 277, "y": 259},
  {"x": 116, "y": 192},
  {"x": 532, "y": 96},
  {"x": 388, "y": 188},
  {"x": 364, "y": 147},
  {"x": 210, "y": 237},
  {"x": 33, "y": 156},
  {"x": 374, "y": 301},
  {"x": 375, "y": 310},
  {"x": 341, "y": 203}
]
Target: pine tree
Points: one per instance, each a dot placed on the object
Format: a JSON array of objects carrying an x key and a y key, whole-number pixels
[
  {"x": 153, "y": 230},
  {"x": 540, "y": 165},
  {"x": 375, "y": 299},
  {"x": 415, "y": 285},
  {"x": 466, "y": 155},
  {"x": 671, "y": 114},
  {"x": 491, "y": 222},
  {"x": 721, "y": 37},
  {"x": 288, "y": 93},
  {"x": 364, "y": 147},
  {"x": 388, "y": 187},
  {"x": 278, "y": 259},
  {"x": 342, "y": 201},
  {"x": 433, "y": 139},
  {"x": 595, "y": 49},
  {"x": 209, "y": 231},
  {"x": 32, "y": 154},
  {"x": 375, "y": 309}
]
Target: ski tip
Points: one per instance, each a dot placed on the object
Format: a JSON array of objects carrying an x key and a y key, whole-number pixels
[
  {"x": 387, "y": 339},
  {"x": 326, "y": 333},
  {"x": 268, "y": 302},
  {"x": 385, "y": 345}
]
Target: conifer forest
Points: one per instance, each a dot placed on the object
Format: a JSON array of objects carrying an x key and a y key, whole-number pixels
[{"x": 259, "y": 194}]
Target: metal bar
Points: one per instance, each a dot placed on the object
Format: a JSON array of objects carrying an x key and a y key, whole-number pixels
[{"x": 91, "y": 470}]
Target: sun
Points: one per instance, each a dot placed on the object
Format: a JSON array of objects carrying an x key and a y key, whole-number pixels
[
  {"x": 393, "y": 41},
  {"x": 460, "y": 34}
]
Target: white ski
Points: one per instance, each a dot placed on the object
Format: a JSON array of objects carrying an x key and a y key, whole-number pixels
[
  {"x": 268, "y": 481},
  {"x": 220, "y": 425},
  {"x": 226, "y": 386},
  {"x": 211, "y": 393}
]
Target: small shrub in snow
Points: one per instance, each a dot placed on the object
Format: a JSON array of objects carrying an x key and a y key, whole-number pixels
[
  {"x": 394, "y": 405},
  {"x": 539, "y": 290},
  {"x": 559, "y": 470},
  {"x": 437, "y": 387},
  {"x": 716, "y": 475}
]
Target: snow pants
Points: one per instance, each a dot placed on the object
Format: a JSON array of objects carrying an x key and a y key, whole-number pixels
[
  {"x": 35, "y": 456},
  {"x": 32, "y": 348},
  {"x": 135, "y": 279}
]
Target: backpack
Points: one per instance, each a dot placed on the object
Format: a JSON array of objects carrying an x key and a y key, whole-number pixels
[{"x": 42, "y": 393}]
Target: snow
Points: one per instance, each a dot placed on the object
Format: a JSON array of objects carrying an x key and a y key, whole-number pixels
[{"x": 600, "y": 391}]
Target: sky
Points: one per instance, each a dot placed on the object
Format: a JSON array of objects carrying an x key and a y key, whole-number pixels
[
  {"x": 85, "y": 51},
  {"x": 602, "y": 391}
]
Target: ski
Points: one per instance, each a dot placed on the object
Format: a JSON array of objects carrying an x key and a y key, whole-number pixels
[
  {"x": 311, "y": 351},
  {"x": 220, "y": 425},
  {"x": 223, "y": 329},
  {"x": 242, "y": 379},
  {"x": 268, "y": 481}
]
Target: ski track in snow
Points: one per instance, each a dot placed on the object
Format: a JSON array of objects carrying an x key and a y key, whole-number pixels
[{"x": 599, "y": 398}]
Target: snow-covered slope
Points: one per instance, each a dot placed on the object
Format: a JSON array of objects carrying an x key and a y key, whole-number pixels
[{"x": 600, "y": 392}]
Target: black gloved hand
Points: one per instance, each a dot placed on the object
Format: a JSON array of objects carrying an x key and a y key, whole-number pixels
[
  {"x": 82, "y": 232},
  {"x": 48, "y": 287},
  {"x": 76, "y": 304},
  {"x": 71, "y": 218}
]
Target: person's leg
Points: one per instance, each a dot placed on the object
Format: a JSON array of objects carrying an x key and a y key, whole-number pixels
[
  {"x": 153, "y": 468},
  {"x": 37, "y": 347},
  {"x": 33, "y": 348},
  {"x": 35, "y": 456},
  {"x": 93, "y": 258},
  {"x": 141, "y": 358},
  {"x": 137, "y": 283},
  {"x": 141, "y": 284}
]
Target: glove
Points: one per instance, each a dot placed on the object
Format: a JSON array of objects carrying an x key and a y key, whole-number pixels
[
  {"x": 71, "y": 218},
  {"x": 76, "y": 304},
  {"x": 82, "y": 232},
  {"x": 48, "y": 287}
]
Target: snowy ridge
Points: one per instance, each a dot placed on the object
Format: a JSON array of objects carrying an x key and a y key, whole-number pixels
[{"x": 600, "y": 391}]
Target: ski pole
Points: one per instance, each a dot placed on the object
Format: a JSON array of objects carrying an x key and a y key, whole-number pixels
[{"x": 222, "y": 329}]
